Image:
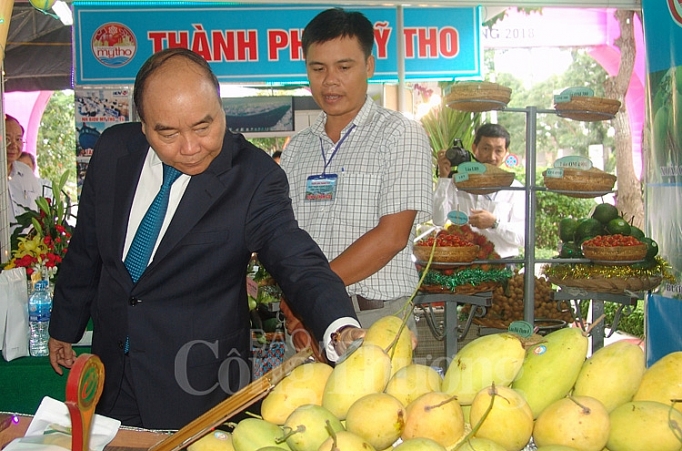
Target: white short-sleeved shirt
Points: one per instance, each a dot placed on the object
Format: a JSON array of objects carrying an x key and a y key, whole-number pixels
[
  {"x": 383, "y": 167},
  {"x": 24, "y": 188},
  {"x": 508, "y": 206}
]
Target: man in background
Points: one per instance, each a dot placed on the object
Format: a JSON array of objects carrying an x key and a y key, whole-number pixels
[
  {"x": 499, "y": 216},
  {"x": 23, "y": 186},
  {"x": 360, "y": 175}
]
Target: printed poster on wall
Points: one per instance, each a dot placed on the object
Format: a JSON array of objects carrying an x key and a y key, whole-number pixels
[
  {"x": 96, "y": 110},
  {"x": 663, "y": 182}
]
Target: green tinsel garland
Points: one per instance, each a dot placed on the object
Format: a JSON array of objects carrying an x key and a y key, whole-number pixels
[{"x": 475, "y": 276}]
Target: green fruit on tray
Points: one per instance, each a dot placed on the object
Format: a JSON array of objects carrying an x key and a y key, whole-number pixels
[
  {"x": 567, "y": 228},
  {"x": 588, "y": 227},
  {"x": 651, "y": 248},
  {"x": 618, "y": 225},
  {"x": 570, "y": 250},
  {"x": 646, "y": 264},
  {"x": 605, "y": 213},
  {"x": 636, "y": 232}
]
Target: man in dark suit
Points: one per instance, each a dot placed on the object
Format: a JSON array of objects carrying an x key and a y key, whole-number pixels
[{"x": 177, "y": 341}]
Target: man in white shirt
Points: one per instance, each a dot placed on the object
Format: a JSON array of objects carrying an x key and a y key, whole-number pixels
[
  {"x": 499, "y": 216},
  {"x": 23, "y": 186}
]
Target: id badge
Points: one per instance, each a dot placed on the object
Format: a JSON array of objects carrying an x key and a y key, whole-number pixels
[{"x": 321, "y": 187}]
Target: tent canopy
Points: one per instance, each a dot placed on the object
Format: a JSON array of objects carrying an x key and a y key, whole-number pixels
[{"x": 38, "y": 53}]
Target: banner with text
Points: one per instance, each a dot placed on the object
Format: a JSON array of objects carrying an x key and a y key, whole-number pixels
[
  {"x": 663, "y": 187},
  {"x": 262, "y": 43}
]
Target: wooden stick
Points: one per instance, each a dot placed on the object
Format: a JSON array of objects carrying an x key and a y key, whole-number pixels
[{"x": 244, "y": 398}]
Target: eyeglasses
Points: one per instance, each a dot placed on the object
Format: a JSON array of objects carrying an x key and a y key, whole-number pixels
[{"x": 17, "y": 141}]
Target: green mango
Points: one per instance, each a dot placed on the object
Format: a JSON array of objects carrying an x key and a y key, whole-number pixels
[{"x": 551, "y": 368}]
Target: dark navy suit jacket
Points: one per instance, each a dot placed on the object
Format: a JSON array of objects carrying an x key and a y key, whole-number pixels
[{"x": 187, "y": 317}]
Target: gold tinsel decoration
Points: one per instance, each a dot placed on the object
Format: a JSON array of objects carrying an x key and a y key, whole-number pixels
[{"x": 589, "y": 270}]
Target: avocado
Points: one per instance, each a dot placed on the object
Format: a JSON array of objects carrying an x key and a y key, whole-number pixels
[{"x": 587, "y": 228}]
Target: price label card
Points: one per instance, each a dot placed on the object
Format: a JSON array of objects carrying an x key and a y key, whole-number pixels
[
  {"x": 578, "y": 91},
  {"x": 555, "y": 173},
  {"x": 461, "y": 177},
  {"x": 574, "y": 162},
  {"x": 562, "y": 98},
  {"x": 522, "y": 328},
  {"x": 458, "y": 217},
  {"x": 471, "y": 167}
]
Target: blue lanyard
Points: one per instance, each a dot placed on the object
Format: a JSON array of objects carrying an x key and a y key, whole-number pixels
[{"x": 334, "y": 149}]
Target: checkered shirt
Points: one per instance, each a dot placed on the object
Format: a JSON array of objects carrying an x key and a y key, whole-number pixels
[{"x": 384, "y": 167}]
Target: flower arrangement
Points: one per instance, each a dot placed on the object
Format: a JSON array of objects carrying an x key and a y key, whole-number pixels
[{"x": 41, "y": 240}]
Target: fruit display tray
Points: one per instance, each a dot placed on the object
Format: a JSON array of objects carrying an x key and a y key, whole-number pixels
[
  {"x": 446, "y": 254},
  {"x": 615, "y": 254}
]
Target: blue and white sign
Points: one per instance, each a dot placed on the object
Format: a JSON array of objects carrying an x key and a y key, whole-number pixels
[{"x": 262, "y": 43}]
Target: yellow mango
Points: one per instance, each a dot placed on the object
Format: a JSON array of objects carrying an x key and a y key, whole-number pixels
[
  {"x": 662, "y": 381},
  {"x": 495, "y": 358},
  {"x": 558, "y": 448},
  {"x": 383, "y": 332},
  {"x": 479, "y": 444},
  {"x": 310, "y": 426},
  {"x": 412, "y": 381},
  {"x": 551, "y": 368},
  {"x": 435, "y": 415},
  {"x": 419, "y": 444},
  {"x": 215, "y": 441},
  {"x": 379, "y": 418},
  {"x": 252, "y": 434},
  {"x": 645, "y": 425},
  {"x": 612, "y": 374},
  {"x": 365, "y": 371},
  {"x": 346, "y": 441},
  {"x": 579, "y": 421},
  {"x": 304, "y": 385},
  {"x": 509, "y": 422}
]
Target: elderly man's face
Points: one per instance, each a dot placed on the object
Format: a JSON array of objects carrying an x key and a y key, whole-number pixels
[
  {"x": 184, "y": 121},
  {"x": 15, "y": 140}
]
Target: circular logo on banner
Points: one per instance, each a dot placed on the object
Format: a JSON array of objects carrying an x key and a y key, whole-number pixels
[
  {"x": 113, "y": 44},
  {"x": 511, "y": 160},
  {"x": 675, "y": 8}
]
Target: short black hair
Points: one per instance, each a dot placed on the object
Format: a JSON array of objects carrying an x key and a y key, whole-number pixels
[
  {"x": 492, "y": 131},
  {"x": 276, "y": 154},
  {"x": 156, "y": 61},
  {"x": 338, "y": 23}
]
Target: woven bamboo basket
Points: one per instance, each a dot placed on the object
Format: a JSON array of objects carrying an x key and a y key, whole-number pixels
[
  {"x": 477, "y": 96},
  {"x": 615, "y": 253},
  {"x": 609, "y": 285},
  {"x": 485, "y": 183},
  {"x": 581, "y": 184},
  {"x": 589, "y": 109},
  {"x": 446, "y": 254}
]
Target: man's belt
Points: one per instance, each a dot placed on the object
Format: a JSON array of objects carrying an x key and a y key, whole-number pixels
[{"x": 368, "y": 304}]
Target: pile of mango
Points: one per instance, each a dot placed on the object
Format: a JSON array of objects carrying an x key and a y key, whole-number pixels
[
  {"x": 604, "y": 220},
  {"x": 500, "y": 392}
]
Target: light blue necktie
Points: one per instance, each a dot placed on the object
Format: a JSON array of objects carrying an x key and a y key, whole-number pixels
[{"x": 147, "y": 233}]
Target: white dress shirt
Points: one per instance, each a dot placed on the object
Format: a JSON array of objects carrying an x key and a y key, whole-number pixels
[
  {"x": 148, "y": 186},
  {"x": 508, "y": 206}
]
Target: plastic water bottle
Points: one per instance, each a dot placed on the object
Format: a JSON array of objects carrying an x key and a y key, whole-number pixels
[{"x": 39, "y": 309}]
